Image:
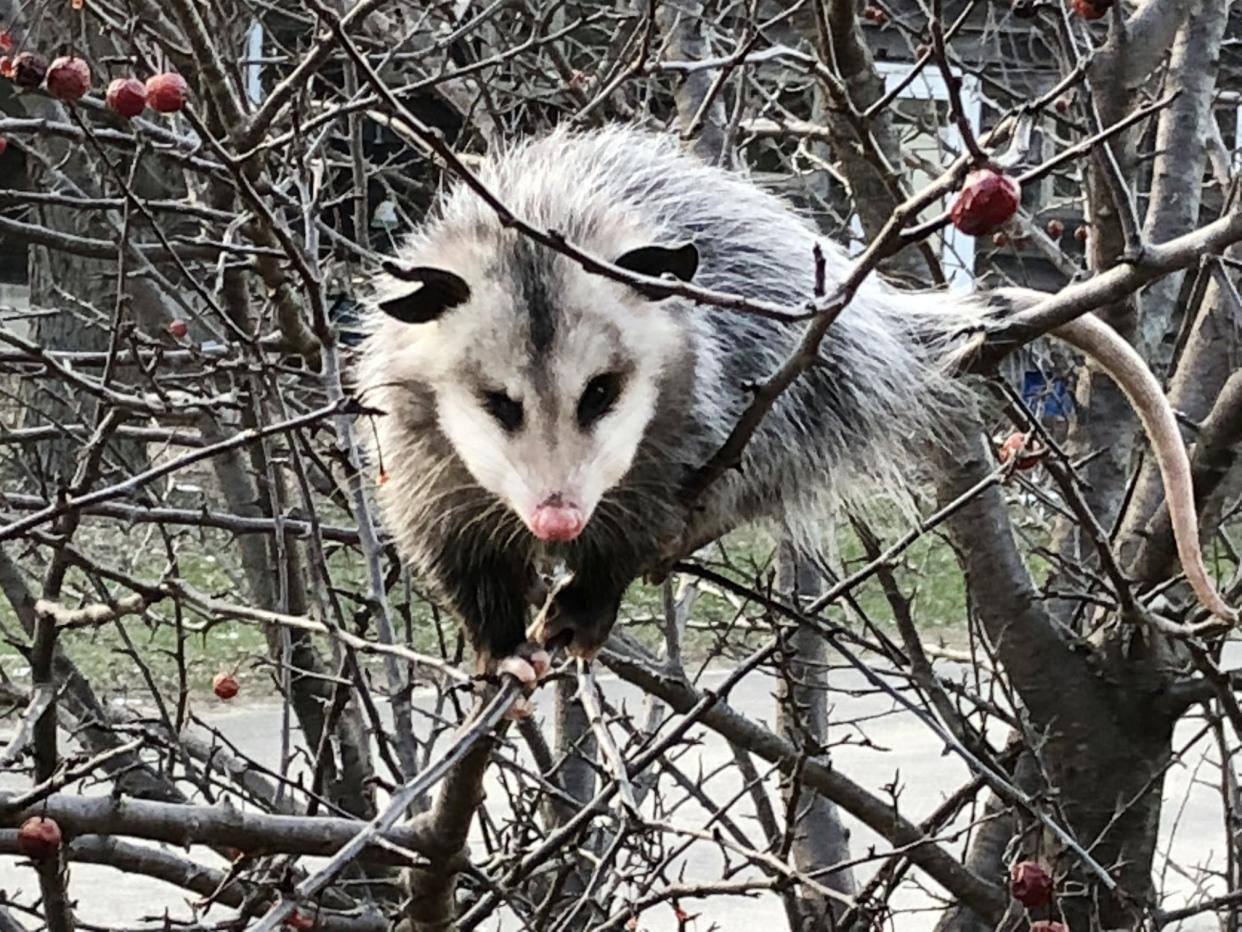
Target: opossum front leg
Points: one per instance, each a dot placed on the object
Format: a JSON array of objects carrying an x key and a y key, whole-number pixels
[{"x": 488, "y": 595}]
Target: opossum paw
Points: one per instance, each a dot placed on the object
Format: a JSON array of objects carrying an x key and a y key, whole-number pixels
[
  {"x": 528, "y": 664},
  {"x": 579, "y": 622}
]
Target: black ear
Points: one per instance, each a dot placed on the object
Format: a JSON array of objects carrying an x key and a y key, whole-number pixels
[
  {"x": 680, "y": 261},
  {"x": 434, "y": 293}
]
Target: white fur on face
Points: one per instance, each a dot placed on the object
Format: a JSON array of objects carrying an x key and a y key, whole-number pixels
[
  {"x": 480, "y": 441},
  {"x": 618, "y": 331},
  {"x": 551, "y": 454},
  {"x": 483, "y": 345}
]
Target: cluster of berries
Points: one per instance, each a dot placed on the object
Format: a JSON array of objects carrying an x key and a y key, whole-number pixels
[{"x": 69, "y": 78}]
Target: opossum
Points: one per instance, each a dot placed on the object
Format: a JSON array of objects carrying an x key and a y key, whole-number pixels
[{"x": 536, "y": 411}]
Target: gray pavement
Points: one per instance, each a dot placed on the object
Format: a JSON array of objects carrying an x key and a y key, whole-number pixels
[{"x": 899, "y": 751}]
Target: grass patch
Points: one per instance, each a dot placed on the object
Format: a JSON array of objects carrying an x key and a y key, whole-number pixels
[{"x": 209, "y": 560}]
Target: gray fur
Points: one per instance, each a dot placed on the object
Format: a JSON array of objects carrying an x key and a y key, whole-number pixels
[{"x": 847, "y": 430}]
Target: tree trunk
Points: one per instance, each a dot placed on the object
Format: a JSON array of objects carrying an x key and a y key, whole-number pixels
[
  {"x": 1102, "y": 738},
  {"x": 820, "y": 838}
]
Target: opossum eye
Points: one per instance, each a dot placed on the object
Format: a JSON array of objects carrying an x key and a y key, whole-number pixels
[
  {"x": 506, "y": 411},
  {"x": 598, "y": 398}
]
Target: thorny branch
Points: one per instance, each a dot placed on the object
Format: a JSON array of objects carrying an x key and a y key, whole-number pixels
[{"x": 186, "y": 512}]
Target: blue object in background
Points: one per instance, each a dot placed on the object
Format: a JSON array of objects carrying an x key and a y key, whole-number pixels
[
  {"x": 345, "y": 315},
  {"x": 1047, "y": 398}
]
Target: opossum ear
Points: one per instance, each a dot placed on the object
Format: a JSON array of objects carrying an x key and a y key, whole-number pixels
[
  {"x": 435, "y": 292},
  {"x": 680, "y": 261}
]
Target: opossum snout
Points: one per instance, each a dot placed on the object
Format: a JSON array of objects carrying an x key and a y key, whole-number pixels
[{"x": 557, "y": 519}]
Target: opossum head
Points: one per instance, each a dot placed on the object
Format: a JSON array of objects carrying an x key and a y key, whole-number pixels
[{"x": 545, "y": 377}]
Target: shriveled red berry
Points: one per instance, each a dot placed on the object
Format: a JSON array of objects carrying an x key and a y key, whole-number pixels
[
  {"x": 6, "y": 67},
  {"x": 1090, "y": 9},
  {"x": 1029, "y": 881},
  {"x": 4, "y": 144},
  {"x": 29, "y": 69},
  {"x": 167, "y": 92},
  {"x": 179, "y": 328},
  {"x": 1000, "y": 238},
  {"x": 988, "y": 199},
  {"x": 1055, "y": 228},
  {"x": 1028, "y": 457},
  {"x": 6, "y": 40},
  {"x": 39, "y": 838},
  {"x": 1049, "y": 925},
  {"x": 876, "y": 15},
  {"x": 1082, "y": 233},
  {"x": 225, "y": 686},
  {"x": 1062, "y": 104},
  {"x": 68, "y": 78},
  {"x": 299, "y": 920},
  {"x": 127, "y": 97}
]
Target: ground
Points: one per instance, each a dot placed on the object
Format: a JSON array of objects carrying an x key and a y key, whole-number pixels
[{"x": 899, "y": 751}]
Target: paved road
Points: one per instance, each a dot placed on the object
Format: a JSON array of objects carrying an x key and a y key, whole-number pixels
[{"x": 900, "y": 751}]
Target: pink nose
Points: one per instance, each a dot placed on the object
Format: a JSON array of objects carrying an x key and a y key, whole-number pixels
[{"x": 557, "y": 522}]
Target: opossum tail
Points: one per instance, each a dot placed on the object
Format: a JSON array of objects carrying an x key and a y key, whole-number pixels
[{"x": 1105, "y": 347}]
